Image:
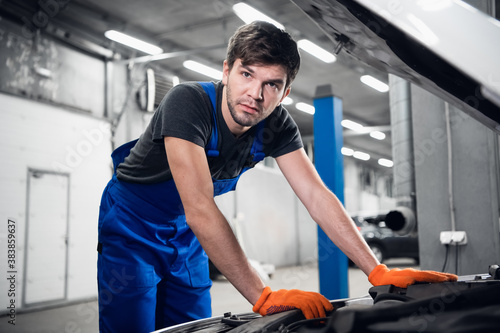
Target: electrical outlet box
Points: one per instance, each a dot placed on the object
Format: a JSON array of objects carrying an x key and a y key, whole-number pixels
[{"x": 453, "y": 237}]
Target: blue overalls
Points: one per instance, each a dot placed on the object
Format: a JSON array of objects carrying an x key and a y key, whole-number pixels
[{"x": 152, "y": 271}]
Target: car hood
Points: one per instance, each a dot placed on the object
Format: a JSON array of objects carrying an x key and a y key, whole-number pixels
[{"x": 446, "y": 47}]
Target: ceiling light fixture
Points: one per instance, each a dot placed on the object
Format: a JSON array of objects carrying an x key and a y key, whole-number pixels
[
  {"x": 249, "y": 14},
  {"x": 374, "y": 83},
  {"x": 175, "y": 80},
  {"x": 316, "y": 51},
  {"x": 347, "y": 151},
  {"x": 361, "y": 156},
  {"x": 352, "y": 125},
  {"x": 385, "y": 162},
  {"x": 133, "y": 42},
  {"x": 287, "y": 101},
  {"x": 203, "y": 69},
  {"x": 304, "y": 107},
  {"x": 377, "y": 135}
]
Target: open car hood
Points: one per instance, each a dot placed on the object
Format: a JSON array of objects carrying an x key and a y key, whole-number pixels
[{"x": 446, "y": 47}]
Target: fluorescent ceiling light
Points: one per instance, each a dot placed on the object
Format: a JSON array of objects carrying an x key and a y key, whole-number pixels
[
  {"x": 347, "y": 151},
  {"x": 316, "y": 51},
  {"x": 287, "y": 101},
  {"x": 385, "y": 162},
  {"x": 203, "y": 69},
  {"x": 175, "y": 80},
  {"x": 352, "y": 125},
  {"x": 361, "y": 156},
  {"x": 377, "y": 135},
  {"x": 133, "y": 42},
  {"x": 374, "y": 83},
  {"x": 249, "y": 14},
  {"x": 304, "y": 107}
]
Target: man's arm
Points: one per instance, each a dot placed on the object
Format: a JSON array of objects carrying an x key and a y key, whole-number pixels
[
  {"x": 191, "y": 174},
  {"x": 326, "y": 209},
  {"x": 331, "y": 216}
]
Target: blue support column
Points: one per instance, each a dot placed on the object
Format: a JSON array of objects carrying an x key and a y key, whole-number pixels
[{"x": 329, "y": 162}]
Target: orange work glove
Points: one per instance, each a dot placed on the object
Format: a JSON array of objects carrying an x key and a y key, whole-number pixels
[
  {"x": 402, "y": 278},
  {"x": 312, "y": 305}
]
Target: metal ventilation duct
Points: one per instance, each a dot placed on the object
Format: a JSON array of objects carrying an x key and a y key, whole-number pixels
[{"x": 402, "y": 219}]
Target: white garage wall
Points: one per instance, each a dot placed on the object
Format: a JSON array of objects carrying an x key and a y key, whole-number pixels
[{"x": 48, "y": 138}]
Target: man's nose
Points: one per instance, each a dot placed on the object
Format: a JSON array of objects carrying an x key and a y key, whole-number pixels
[{"x": 255, "y": 90}]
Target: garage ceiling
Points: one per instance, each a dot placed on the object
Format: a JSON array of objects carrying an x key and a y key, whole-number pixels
[{"x": 207, "y": 25}]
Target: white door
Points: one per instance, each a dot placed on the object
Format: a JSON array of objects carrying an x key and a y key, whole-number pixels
[{"x": 46, "y": 242}]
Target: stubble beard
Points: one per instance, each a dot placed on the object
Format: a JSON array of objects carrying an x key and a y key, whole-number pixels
[{"x": 242, "y": 119}]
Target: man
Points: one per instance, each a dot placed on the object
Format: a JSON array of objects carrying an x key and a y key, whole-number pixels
[{"x": 158, "y": 217}]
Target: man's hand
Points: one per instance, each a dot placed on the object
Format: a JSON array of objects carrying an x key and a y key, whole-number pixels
[
  {"x": 402, "y": 278},
  {"x": 312, "y": 305}
]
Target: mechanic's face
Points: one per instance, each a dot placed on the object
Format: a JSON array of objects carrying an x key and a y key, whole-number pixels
[{"x": 251, "y": 93}]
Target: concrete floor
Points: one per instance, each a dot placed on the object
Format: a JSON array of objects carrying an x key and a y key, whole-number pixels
[{"x": 83, "y": 317}]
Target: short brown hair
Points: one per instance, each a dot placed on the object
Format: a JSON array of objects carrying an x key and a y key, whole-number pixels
[{"x": 263, "y": 43}]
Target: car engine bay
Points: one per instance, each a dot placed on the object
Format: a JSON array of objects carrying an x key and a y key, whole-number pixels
[{"x": 471, "y": 304}]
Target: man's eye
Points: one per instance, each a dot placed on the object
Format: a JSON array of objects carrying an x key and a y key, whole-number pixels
[
  {"x": 273, "y": 86},
  {"x": 246, "y": 74}
]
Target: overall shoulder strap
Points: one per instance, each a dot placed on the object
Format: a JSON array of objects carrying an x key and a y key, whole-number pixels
[
  {"x": 211, "y": 148},
  {"x": 257, "y": 150}
]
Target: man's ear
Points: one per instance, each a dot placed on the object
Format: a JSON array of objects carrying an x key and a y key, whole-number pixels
[
  {"x": 225, "y": 72},
  {"x": 286, "y": 93}
]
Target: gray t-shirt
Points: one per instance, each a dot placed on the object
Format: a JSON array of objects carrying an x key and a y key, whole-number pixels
[{"x": 186, "y": 113}]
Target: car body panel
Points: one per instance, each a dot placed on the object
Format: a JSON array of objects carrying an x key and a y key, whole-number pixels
[{"x": 409, "y": 39}]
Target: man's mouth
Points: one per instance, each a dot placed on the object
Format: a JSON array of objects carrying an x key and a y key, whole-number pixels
[{"x": 250, "y": 109}]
